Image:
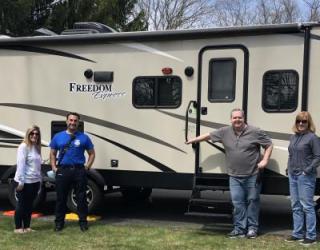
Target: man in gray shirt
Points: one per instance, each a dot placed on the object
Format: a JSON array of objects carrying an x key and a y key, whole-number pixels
[{"x": 242, "y": 145}]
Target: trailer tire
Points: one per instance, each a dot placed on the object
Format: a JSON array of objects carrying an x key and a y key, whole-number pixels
[
  {"x": 136, "y": 193},
  {"x": 38, "y": 202},
  {"x": 94, "y": 197},
  {"x": 317, "y": 209}
]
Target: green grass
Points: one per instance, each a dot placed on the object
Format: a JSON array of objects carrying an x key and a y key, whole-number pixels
[{"x": 102, "y": 235}]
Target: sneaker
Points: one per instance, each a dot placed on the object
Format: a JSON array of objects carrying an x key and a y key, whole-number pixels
[
  {"x": 58, "y": 228},
  {"x": 252, "y": 234},
  {"x": 307, "y": 242},
  {"x": 29, "y": 230},
  {"x": 293, "y": 239},
  {"x": 19, "y": 231},
  {"x": 236, "y": 234}
]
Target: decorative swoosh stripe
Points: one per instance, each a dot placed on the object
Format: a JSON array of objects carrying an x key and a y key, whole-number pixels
[
  {"x": 14, "y": 136},
  {"x": 313, "y": 36},
  {"x": 142, "y": 47},
  {"x": 136, "y": 153},
  {"x": 95, "y": 121},
  {"x": 11, "y": 141},
  {"x": 214, "y": 125},
  {"x": 44, "y": 51},
  {"x": 8, "y": 146}
]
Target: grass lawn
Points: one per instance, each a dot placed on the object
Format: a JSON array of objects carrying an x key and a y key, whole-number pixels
[{"x": 102, "y": 235}]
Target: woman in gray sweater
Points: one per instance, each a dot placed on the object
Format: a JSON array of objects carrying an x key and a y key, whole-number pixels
[{"x": 304, "y": 158}]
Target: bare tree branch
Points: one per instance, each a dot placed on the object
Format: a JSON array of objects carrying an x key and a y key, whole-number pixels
[
  {"x": 313, "y": 10},
  {"x": 233, "y": 12},
  {"x": 175, "y": 14}
]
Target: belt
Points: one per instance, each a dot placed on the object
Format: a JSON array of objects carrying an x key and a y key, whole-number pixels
[{"x": 69, "y": 166}]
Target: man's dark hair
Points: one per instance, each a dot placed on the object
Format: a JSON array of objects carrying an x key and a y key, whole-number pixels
[
  {"x": 73, "y": 113},
  {"x": 237, "y": 109}
]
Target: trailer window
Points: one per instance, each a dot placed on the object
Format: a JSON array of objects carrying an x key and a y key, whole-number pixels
[
  {"x": 222, "y": 80},
  {"x": 157, "y": 92},
  {"x": 280, "y": 91}
]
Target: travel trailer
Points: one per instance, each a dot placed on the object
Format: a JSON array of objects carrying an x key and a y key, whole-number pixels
[{"x": 142, "y": 94}]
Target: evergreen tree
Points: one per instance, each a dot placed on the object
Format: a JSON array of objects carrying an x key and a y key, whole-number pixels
[
  {"x": 118, "y": 14},
  {"x": 22, "y": 17}
]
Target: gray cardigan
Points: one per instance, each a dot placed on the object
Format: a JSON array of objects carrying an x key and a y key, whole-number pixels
[{"x": 304, "y": 153}]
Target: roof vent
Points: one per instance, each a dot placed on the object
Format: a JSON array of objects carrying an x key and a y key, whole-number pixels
[
  {"x": 88, "y": 28},
  {"x": 43, "y": 32}
]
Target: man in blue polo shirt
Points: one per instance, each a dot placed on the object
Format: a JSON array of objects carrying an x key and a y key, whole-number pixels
[{"x": 71, "y": 169}]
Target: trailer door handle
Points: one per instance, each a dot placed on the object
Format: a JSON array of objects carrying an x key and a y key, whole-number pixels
[
  {"x": 204, "y": 110},
  {"x": 187, "y": 118}
]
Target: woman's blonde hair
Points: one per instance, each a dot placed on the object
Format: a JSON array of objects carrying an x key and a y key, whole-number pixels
[
  {"x": 304, "y": 115},
  {"x": 27, "y": 140}
]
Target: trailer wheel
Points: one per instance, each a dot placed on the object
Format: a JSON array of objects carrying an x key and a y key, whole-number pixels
[
  {"x": 94, "y": 197},
  {"x": 40, "y": 199},
  {"x": 136, "y": 193},
  {"x": 317, "y": 208}
]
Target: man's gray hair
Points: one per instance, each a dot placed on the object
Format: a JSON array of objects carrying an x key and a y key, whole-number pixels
[{"x": 237, "y": 109}]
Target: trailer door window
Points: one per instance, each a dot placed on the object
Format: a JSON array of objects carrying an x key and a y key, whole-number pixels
[
  {"x": 222, "y": 80},
  {"x": 280, "y": 91},
  {"x": 157, "y": 92}
]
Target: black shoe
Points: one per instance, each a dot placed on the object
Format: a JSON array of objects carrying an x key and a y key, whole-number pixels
[
  {"x": 84, "y": 227},
  {"x": 236, "y": 234},
  {"x": 293, "y": 239},
  {"x": 308, "y": 242},
  {"x": 58, "y": 228}
]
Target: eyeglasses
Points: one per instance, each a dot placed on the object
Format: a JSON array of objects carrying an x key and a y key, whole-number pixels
[
  {"x": 301, "y": 121},
  {"x": 34, "y": 133}
]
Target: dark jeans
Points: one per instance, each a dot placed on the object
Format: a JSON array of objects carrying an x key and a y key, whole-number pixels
[
  {"x": 26, "y": 196},
  {"x": 66, "y": 178}
]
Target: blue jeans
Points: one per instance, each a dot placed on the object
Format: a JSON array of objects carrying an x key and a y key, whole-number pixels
[
  {"x": 302, "y": 189},
  {"x": 245, "y": 196}
]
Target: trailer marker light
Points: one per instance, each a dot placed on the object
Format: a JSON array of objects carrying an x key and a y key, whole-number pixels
[
  {"x": 88, "y": 73},
  {"x": 189, "y": 71},
  {"x": 167, "y": 71}
]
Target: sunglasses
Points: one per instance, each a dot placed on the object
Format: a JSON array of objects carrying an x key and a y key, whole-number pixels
[
  {"x": 34, "y": 133},
  {"x": 301, "y": 121}
]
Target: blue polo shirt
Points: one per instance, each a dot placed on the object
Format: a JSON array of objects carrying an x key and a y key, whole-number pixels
[{"x": 75, "y": 153}]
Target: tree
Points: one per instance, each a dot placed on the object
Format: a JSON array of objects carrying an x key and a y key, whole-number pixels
[
  {"x": 290, "y": 11},
  {"x": 313, "y": 10},
  {"x": 233, "y": 12},
  {"x": 21, "y": 17},
  {"x": 175, "y": 14},
  {"x": 118, "y": 14},
  {"x": 268, "y": 12},
  {"x": 244, "y": 12},
  {"x": 121, "y": 15},
  {"x": 65, "y": 13}
]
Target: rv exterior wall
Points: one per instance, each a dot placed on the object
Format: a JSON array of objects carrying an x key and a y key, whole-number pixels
[{"x": 38, "y": 87}]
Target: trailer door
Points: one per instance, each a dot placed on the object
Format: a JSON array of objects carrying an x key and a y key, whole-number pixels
[{"x": 223, "y": 86}]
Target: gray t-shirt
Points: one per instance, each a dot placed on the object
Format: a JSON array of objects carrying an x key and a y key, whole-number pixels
[{"x": 243, "y": 151}]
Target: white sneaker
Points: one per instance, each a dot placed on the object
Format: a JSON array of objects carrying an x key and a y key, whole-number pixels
[{"x": 252, "y": 234}]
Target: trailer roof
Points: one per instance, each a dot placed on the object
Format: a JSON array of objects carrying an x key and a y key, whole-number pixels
[{"x": 141, "y": 36}]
